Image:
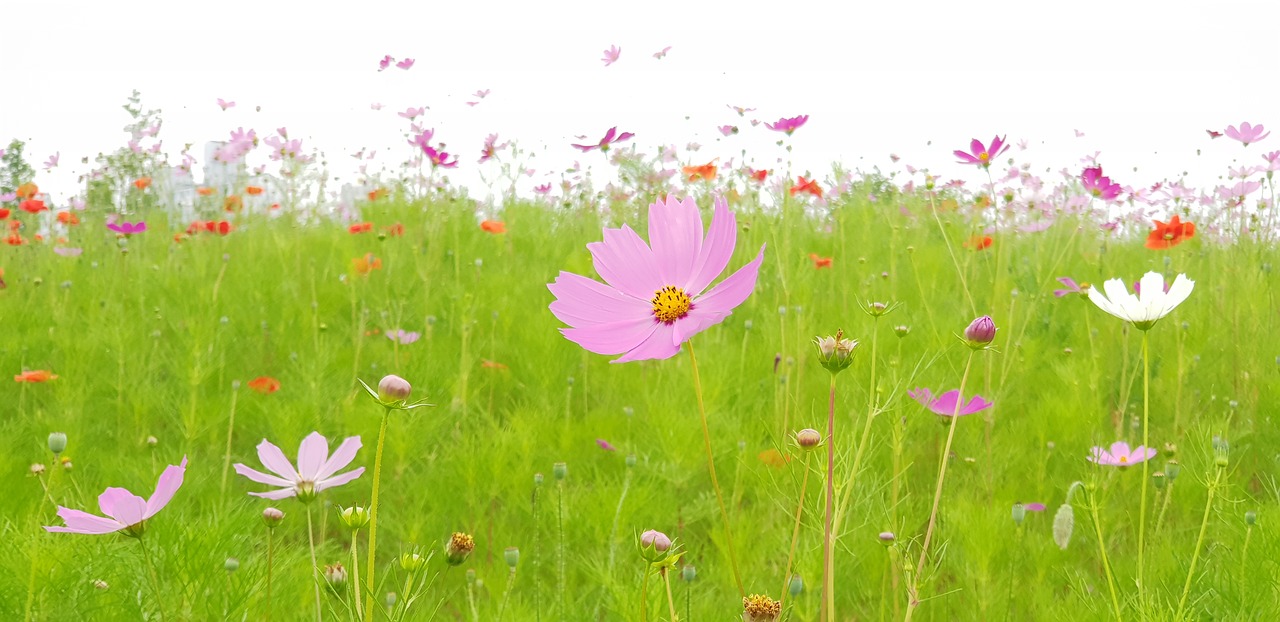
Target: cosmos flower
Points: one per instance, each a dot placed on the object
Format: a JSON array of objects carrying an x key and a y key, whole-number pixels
[
  {"x": 402, "y": 336},
  {"x": 788, "y": 125},
  {"x": 1246, "y": 133},
  {"x": 1071, "y": 287},
  {"x": 412, "y": 113},
  {"x": 980, "y": 154},
  {"x": 52, "y": 162},
  {"x": 223, "y": 104},
  {"x": 610, "y": 137},
  {"x": 1120, "y": 455},
  {"x": 405, "y": 64},
  {"x": 439, "y": 158},
  {"x": 316, "y": 470},
  {"x": 1099, "y": 186},
  {"x": 127, "y": 228},
  {"x": 611, "y": 55},
  {"x": 1170, "y": 234},
  {"x": 1146, "y": 307},
  {"x": 656, "y": 295},
  {"x": 605, "y": 445},
  {"x": 945, "y": 404},
  {"x": 126, "y": 512}
]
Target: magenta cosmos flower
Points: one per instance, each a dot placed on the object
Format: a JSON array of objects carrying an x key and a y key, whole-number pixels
[
  {"x": 315, "y": 472},
  {"x": 788, "y": 125},
  {"x": 1099, "y": 186},
  {"x": 945, "y": 404},
  {"x": 1247, "y": 133},
  {"x": 126, "y": 512},
  {"x": 656, "y": 295},
  {"x": 610, "y": 137},
  {"x": 128, "y": 228},
  {"x": 980, "y": 154},
  {"x": 1121, "y": 455}
]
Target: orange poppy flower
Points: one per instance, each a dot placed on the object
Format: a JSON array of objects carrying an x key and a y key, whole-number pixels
[
  {"x": 14, "y": 240},
  {"x": 264, "y": 385},
  {"x": 27, "y": 190},
  {"x": 179, "y": 237},
  {"x": 979, "y": 242},
  {"x": 35, "y": 375},
  {"x": 396, "y": 229},
  {"x": 1170, "y": 234},
  {"x": 366, "y": 264},
  {"x": 487, "y": 364},
  {"x": 232, "y": 203},
  {"x": 361, "y": 227},
  {"x": 253, "y": 191},
  {"x": 142, "y": 183},
  {"x": 494, "y": 226},
  {"x": 220, "y": 227},
  {"x": 377, "y": 194},
  {"x": 705, "y": 172},
  {"x": 204, "y": 191},
  {"x": 68, "y": 218},
  {"x": 759, "y": 175},
  {"x": 32, "y": 206},
  {"x": 4, "y": 213},
  {"x": 820, "y": 262},
  {"x": 807, "y": 185}
]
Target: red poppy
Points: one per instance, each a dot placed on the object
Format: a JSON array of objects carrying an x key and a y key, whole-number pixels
[
  {"x": 807, "y": 185},
  {"x": 759, "y": 175},
  {"x": 1168, "y": 235},
  {"x": 204, "y": 191},
  {"x": 232, "y": 203},
  {"x": 705, "y": 172},
  {"x": 494, "y": 226},
  {"x": 220, "y": 227},
  {"x": 396, "y": 229},
  {"x": 361, "y": 227},
  {"x": 27, "y": 190},
  {"x": 820, "y": 262},
  {"x": 979, "y": 242},
  {"x": 14, "y": 240},
  {"x": 142, "y": 183},
  {"x": 68, "y": 218},
  {"x": 366, "y": 264},
  {"x": 4, "y": 213},
  {"x": 32, "y": 206},
  {"x": 253, "y": 190},
  {"x": 35, "y": 375},
  {"x": 264, "y": 385}
]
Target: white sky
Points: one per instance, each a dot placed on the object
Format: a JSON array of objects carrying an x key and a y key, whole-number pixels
[{"x": 1142, "y": 80}]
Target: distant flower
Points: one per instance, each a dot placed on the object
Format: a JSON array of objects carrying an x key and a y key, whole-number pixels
[
  {"x": 481, "y": 94},
  {"x": 740, "y": 110},
  {"x": 128, "y": 228},
  {"x": 360, "y": 227},
  {"x": 52, "y": 162},
  {"x": 402, "y": 336},
  {"x": 1033, "y": 507},
  {"x": 232, "y": 203},
  {"x": 1071, "y": 287},
  {"x": 1099, "y": 186},
  {"x": 1168, "y": 235},
  {"x": 820, "y": 262},
  {"x": 704, "y": 172},
  {"x": 127, "y": 512},
  {"x": 1121, "y": 455},
  {"x": 142, "y": 183},
  {"x": 610, "y": 137},
  {"x": 1213, "y": 134},
  {"x": 253, "y": 191},
  {"x": 605, "y": 445},
  {"x": 27, "y": 191},
  {"x": 491, "y": 147},
  {"x": 405, "y": 64},
  {"x": 656, "y": 295},
  {"x": 225, "y": 104},
  {"x": 807, "y": 185},
  {"x": 757, "y": 176},
  {"x": 980, "y": 154},
  {"x": 945, "y": 404},
  {"x": 1247, "y": 133},
  {"x": 788, "y": 125},
  {"x": 412, "y": 113},
  {"x": 1145, "y": 308},
  {"x": 385, "y": 62},
  {"x": 979, "y": 242},
  {"x": 493, "y": 226},
  {"x": 376, "y": 106},
  {"x": 35, "y": 376},
  {"x": 67, "y": 251},
  {"x": 204, "y": 191},
  {"x": 611, "y": 55},
  {"x": 439, "y": 158},
  {"x": 316, "y": 470},
  {"x": 543, "y": 189},
  {"x": 32, "y": 206},
  {"x": 67, "y": 218},
  {"x": 264, "y": 385},
  {"x": 728, "y": 130},
  {"x": 662, "y": 53},
  {"x": 366, "y": 263}
]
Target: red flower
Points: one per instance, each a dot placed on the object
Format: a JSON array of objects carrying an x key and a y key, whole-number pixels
[
  {"x": 27, "y": 190},
  {"x": 494, "y": 226},
  {"x": 366, "y": 264},
  {"x": 360, "y": 227},
  {"x": 35, "y": 375},
  {"x": 264, "y": 385},
  {"x": 4, "y": 213},
  {"x": 252, "y": 190},
  {"x": 396, "y": 229},
  {"x": 705, "y": 172},
  {"x": 67, "y": 218},
  {"x": 142, "y": 183},
  {"x": 820, "y": 262},
  {"x": 204, "y": 191},
  {"x": 32, "y": 206},
  {"x": 15, "y": 240},
  {"x": 1168, "y": 235},
  {"x": 759, "y": 175},
  {"x": 807, "y": 185},
  {"x": 979, "y": 242}
]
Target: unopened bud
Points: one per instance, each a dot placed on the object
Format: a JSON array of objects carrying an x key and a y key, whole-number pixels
[
  {"x": 99, "y": 584},
  {"x": 231, "y": 565},
  {"x": 412, "y": 562},
  {"x": 835, "y": 353},
  {"x": 393, "y": 388},
  {"x": 980, "y": 333},
  {"x": 512, "y": 556},
  {"x": 272, "y": 517},
  {"x": 808, "y": 438},
  {"x": 887, "y": 538},
  {"x": 560, "y": 470},
  {"x": 688, "y": 574},
  {"x": 1250, "y": 518},
  {"x": 57, "y": 442},
  {"x": 1019, "y": 513},
  {"x": 902, "y": 330},
  {"x": 796, "y": 586},
  {"x": 1064, "y": 523}
]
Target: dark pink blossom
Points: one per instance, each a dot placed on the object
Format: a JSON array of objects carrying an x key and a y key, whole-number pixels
[
  {"x": 980, "y": 154},
  {"x": 610, "y": 137},
  {"x": 1099, "y": 186},
  {"x": 945, "y": 404},
  {"x": 788, "y": 125}
]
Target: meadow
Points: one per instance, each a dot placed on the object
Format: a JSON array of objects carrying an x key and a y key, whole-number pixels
[{"x": 169, "y": 346}]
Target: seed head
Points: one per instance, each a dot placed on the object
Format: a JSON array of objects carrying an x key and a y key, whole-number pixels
[
  {"x": 458, "y": 548},
  {"x": 512, "y": 556},
  {"x": 760, "y": 608},
  {"x": 57, "y": 442},
  {"x": 354, "y": 518},
  {"x": 336, "y": 576}
]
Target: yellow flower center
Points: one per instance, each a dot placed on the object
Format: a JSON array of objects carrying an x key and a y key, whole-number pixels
[
  {"x": 1168, "y": 236},
  {"x": 984, "y": 156},
  {"x": 670, "y": 304},
  {"x": 1124, "y": 459}
]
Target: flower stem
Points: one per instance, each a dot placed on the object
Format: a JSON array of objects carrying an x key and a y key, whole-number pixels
[
  {"x": 537, "y": 547},
  {"x": 1142, "y": 510},
  {"x": 506, "y": 593},
  {"x": 1102, "y": 550},
  {"x": 671, "y": 602},
  {"x": 1244, "y": 559},
  {"x": 913, "y": 600},
  {"x": 560, "y": 584},
  {"x": 270, "y": 532},
  {"x": 355, "y": 574},
  {"x": 315, "y": 570},
  {"x": 1204, "y": 525},
  {"x": 828, "y": 564},
  {"x": 711, "y": 466},
  {"x": 795, "y": 533},
  {"x": 613, "y": 536},
  {"x": 644, "y": 595},
  {"x": 370, "y": 586},
  {"x": 155, "y": 583},
  {"x": 1164, "y": 506},
  {"x": 226, "y": 459}
]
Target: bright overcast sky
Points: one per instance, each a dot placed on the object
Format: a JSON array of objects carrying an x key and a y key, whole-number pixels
[{"x": 1141, "y": 80}]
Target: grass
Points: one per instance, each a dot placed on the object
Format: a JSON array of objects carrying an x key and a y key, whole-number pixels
[{"x": 154, "y": 343}]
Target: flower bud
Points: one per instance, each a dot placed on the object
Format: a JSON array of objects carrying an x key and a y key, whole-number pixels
[
  {"x": 1172, "y": 469},
  {"x": 272, "y": 517},
  {"x": 980, "y": 333},
  {"x": 688, "y": 574},
  {"x": 412, "y": 562},
  {"x": 458, "y": 548},
  {"x": 336, "y": 576},
  {"x": 835, "y": 353},
  {"x": 37, "y": 469},
  {"x": 537, "y": 479},
  {"x": 1250, "y": 518},
  {"x": 354, "y": 518},
  {"x": 1159, "y": 480},
  {"x": 808, "y": 439},
  {"x": 760, "y": 608},
  {"x": 1019, "y": 513},
  {"x": 795, "y": 586},
  {"x": 99, "y": 584},
  {"x": 57, "y": 442},
  {"x": 231, "y": 565},
  {"x": 901, "y": 330},
  {"x": 559, "y": 470},
  {"x": 512, "y": 556},
  {"x": 393, "y": 388},
  {"x": 1064, "y": 523},
  {"x": 152, "y": 441},
  {"x": 887, "y": 538}
]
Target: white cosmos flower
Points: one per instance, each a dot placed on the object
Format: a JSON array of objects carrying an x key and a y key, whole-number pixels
[{"x": 1151, "y": 303}]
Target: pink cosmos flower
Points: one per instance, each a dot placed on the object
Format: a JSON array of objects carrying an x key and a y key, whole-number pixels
[
  {"x": 412, "y": 113},
  {"x": 728, "y": 130},
  {"x": 1071, "y": 287},
  {"x": 1033, "y": 507},
  {"x": 402, "y": 336},
  {"x": 945, "y": 404},
  {"x": 611, "y": 55},
  {"x": 223, "y": 104},
  {"x": 316, "y": 468},
  {"x": 1273, "y": 161},
  {"x": 385, "y": 62},
  {"x": 1099, "y": 186},
  {"x": 662, "y": 53},
  {"x": 440, "y": 158},
  {"x": 788, "y": 125},
  {"x": 491, "y": 147},
  {"x": 980, "y": 154},
  {"x": 405, "y": 64},
  {"x": 543, "y": 189},
  {"x": 610, "y": 137},
  {"x": 605, "y": 445},
  {"x": 128, "y": 228},
  {"x": 1246, "y": 133},
  {"x": 481, "y": 94},
  {"x": 656, "y": 295},
  {"x": 127, "y": 512},
  {"x": 1121, "y": 455},
  {"x": 376, "y": 106},
  {"x": 742, "y": 112},
  {"x": 52, "y": 162}
]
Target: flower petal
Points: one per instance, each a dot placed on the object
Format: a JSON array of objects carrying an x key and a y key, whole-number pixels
[
  {"x": 675, "y": 234},
  {"x": 659, "y": 345},
  {"x": 581, "y": 301},
  {"x": 274, "y": 460},
  {"x": 1119, "y": 449},
  {"x": 613, "y": 337},
  {"x": 84, "y": 522},
  {"x": 125, "y": 507},
  {"x": 1178, "y": 293},
  {"x": 338, "y": 480},
  {"x": 716, "y": 250},
  {"x": 262, "y": 478},
  {"x": 342, "y": 456},
  {"x": 276, "y": 495},
  {"x": 312, "y": 454},
  {"x": 731, "y": 292},
  {"x": 626, "y": 262},
  {"x": 1123, "y": 304},
  {"x": 1151, "y": 298},
  {"x": 976, "y": 404},
  {"x": 169, "y": 483},
  {"x": 945, "y": 405}
]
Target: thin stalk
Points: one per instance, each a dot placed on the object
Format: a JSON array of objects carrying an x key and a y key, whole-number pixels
[
  {"x": 560, "y": 584},
  {"x": 506, "y": 593},
  {"x": 1102, "y": 550},
  {"x": 370, "y": 586},
  {"x": 613, "y": 534},
  {"x": 912, "y": 588},
  {"x": 1244, "y": 558},
  {"x": 270, "y": 532},
  {"x": 226, "y": 458},
  {"x": 1204, "y": 525},
  {"x": 1164, "y": 506},
  {"x": 644, "y": 595},
  {"x": 355, "y": 574},
  {"x": 828, "y": 564},
  {"x": 671, "y": 602},
  {"x": 1142, "y": 510},
  {"x": 711, "y": 466},
  {"x": 795, "y": 532},
  {"x": 315, "y": 570},
  {"x": 537, "y": 546},
  {"x": 155, "y": 583}
]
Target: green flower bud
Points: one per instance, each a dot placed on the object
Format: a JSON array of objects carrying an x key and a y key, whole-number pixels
[
  {"x": 412, "y": 562},
  {"x": 512, "y": 556},
  {"x": 231, "y": 565},
  {"x": 560, "y": 470},
  {"x": 57, "y": 442},
  {"x": 355, "y": 518},
  {"x": 1250, "y": 518}
]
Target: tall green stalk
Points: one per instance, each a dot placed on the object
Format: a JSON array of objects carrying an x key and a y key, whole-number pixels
[
  {"x": 1102, "y": 550},
  {"x": 1204, "y": 525},
  {"x": 1142, "y": 510},
  {"x": 370, "y": 586}
]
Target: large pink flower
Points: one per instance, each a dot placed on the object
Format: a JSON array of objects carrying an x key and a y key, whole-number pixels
[
  {"x": 981, "y": 154},
  {"x": 128, "y": 512},
  {"x": 656, "y": 296},
  {"x": 1247, "y": 133},
  {"x": 945, "y": 404},
  {"x": 1120, "y": 455},
  {"x": 315, "y": 471}
]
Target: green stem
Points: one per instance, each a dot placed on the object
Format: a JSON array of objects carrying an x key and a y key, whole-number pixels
[
  {"x": 506, "y": 594},
  {"x": 355, "y": 574},
  {"x": 315, "y": 570},
  {"x": 226, "y": 458},
  {"x": 644, "y": 595},
  {"x": 711, "y": 466},
  {"x": 370, "y": 586},
  {"x": 1102, "y": 549},
  {"x": 795, "y": 532},
  {"x": 1204, "y": 525},
  {"x": 560, "y": 584},
  {"x": 155, "y": 583},
  {"x": 828, "y": 564},
  {"x": 1142, "y": 510},
  {"x": 671, "y": 602},
  {"x": 1244, "y": 558},
  {"x": 270, "y": 532}
]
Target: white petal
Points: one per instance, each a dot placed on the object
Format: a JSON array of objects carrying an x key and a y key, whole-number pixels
[
  {"x": 1178, "y": 293},
  {"x": 1125, "y": 303}
]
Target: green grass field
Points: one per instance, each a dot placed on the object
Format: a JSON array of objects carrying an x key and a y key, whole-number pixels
[{"x": 163, "y": 340}]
